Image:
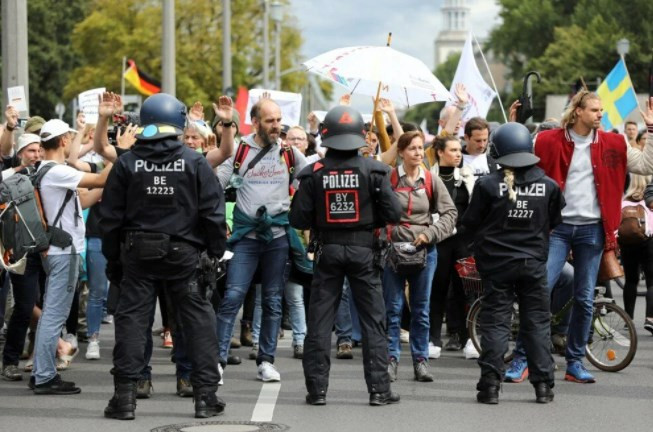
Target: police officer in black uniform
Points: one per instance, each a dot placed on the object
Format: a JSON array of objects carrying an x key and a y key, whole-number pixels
[
  {"x": 343, "y": 197},
  {"x": 511, "y": 213},
  {"x": 161, "y": 206}
]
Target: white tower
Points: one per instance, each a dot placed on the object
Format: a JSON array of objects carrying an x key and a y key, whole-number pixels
[{"x": 455, "y": 15}]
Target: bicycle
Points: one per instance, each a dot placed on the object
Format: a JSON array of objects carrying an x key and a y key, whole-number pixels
[{"x": 613, "y": 338}]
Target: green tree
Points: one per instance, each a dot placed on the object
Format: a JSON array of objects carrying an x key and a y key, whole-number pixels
[
  {"x": 49, "y": 29},
  {"x": 133, "y": 30},
  {"x": 568, "y": 39}
]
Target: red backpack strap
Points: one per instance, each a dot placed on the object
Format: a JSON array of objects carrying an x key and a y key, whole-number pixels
[
  {"x": 241, "y": 154},
  {"x": 394, "y": 178},
  {"x": 289, "y": 158}
]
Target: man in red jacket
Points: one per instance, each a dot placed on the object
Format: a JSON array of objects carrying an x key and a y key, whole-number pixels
[{"x": 590, "y": 166}]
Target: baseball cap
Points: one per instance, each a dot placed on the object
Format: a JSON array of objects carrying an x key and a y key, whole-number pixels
[
  {"x": 54, "y": 128},
  {"x": 34, "y": 124},
  {"x": 27, "y": 139}
]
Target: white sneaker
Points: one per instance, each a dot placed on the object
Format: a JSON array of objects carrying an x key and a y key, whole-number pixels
[
  {"x": 93, "y": 350},
  {"x": 404, "y": 336},
  {"x": 72, "y": 340},
  {"x": 434, "y": 351},
  {"x": 221, "y": 382},
  {"x": 470, "y": 350},
  {"x": 267, "y": 372}
]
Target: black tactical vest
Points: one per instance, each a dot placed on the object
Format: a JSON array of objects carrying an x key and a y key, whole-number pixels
[{"x": 343, "y": 198}]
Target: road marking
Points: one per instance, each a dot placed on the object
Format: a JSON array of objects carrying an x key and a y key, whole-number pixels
[{"x": 267, "y": 399}]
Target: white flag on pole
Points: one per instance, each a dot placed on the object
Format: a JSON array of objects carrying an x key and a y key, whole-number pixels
[{"x": 480, "y": 94}]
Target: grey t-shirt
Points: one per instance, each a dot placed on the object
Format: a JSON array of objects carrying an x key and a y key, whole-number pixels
[
  {"x": 580, "y": 190},
  {"x": 264, "y": 185}
]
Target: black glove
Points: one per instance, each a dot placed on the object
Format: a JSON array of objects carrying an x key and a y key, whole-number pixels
[{"x": 114, "y": 272}]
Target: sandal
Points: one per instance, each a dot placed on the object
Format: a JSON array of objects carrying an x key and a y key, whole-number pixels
[
  {"x": 29, "y": 365},
  {"x": 64, "y": 361}
]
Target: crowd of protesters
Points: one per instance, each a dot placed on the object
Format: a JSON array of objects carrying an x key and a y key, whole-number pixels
[{"x": 268, "y": 279}]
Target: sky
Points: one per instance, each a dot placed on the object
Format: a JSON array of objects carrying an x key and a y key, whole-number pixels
[{"x": 330, "y": 24}]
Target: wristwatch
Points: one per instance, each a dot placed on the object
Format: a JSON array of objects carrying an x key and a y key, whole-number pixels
[{"x": 228, "y": 124}]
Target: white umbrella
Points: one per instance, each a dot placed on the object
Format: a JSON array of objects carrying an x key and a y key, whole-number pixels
[{"x": 404, "y": 79}]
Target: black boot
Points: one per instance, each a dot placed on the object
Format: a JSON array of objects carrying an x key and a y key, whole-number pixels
[
  {"x": 246, "y": 334},
  {"x": 123, "y": 403},
  {"x": 488, "y": 393},
  {"x": 208, "y": 404},
  {"x": 543, "y": 392}
]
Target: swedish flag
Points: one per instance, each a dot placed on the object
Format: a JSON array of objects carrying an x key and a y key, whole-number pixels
[{"x": 617, "y": 95}]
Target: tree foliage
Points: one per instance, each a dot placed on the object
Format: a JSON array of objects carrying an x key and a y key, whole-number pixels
[
  {"x": 49, "y": 28},
  {"x": 568, "y": 39},
  {"x": 132, "y": 28}
]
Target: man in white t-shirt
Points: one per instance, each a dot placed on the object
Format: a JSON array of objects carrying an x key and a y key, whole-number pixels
[{"x": 63, "y": 210}]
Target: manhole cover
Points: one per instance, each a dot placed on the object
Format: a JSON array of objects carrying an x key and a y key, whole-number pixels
[{"x": 218, "y": 426}]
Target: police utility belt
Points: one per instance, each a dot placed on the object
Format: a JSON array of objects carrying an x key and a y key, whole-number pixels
[
  {"x": 149, "y": 246},
  {"x": 364, "y": 238}
]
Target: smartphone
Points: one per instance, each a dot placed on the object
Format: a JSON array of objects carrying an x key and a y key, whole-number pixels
[{"x": 22, "y": 122}]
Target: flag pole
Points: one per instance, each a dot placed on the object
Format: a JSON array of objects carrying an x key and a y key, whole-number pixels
[
  {"x": 503, "y": 111},
  {"x": 122, "y": 78},
  {"x": 378, "y": 89}
]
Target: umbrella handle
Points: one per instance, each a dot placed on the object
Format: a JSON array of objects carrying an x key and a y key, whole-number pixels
[{"x": 378, "y": 89}]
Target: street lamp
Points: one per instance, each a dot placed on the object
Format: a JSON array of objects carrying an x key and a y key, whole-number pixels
[
  {"x": 276, "y": 14},
  {"x": 266, "y": 46},
  {"x": 623, "y": 46}
]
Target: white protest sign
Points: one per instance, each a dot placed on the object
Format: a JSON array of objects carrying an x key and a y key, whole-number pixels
[
  {"x": 16, "y": 96},
  {"x": 290, "y": 104},
  {"x": 88, "y": 102}
]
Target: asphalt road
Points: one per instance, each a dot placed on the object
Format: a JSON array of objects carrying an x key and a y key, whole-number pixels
[{"x": 620, "y": 401}]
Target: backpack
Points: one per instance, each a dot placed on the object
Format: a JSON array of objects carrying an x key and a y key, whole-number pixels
[
  {"x": 634, "y": 227},
  {"x": 23, "y": 226}
]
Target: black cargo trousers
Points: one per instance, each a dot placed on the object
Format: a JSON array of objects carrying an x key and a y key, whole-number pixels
[
  {"x": 525, "y": 278},
  {"x": 335, "y": 262},
  {"x": 171, "y": 265}
]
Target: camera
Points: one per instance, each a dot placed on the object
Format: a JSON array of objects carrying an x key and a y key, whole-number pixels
[{"x": 120, "y": 123}]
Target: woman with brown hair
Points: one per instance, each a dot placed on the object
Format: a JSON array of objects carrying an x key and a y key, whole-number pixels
[{"x": 421, "y": 195}]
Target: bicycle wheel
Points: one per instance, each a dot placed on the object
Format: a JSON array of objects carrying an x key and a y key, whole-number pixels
[
  {"x": 474, "y": 328},
  {"x": 613, "y": 339}
]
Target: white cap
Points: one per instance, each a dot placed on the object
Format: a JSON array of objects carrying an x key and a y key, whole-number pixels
[
  {"x": 27, "y": 139},
  {"x": 54, "y": 128}
]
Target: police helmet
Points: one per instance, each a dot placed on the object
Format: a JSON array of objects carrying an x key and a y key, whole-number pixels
[
  {"x": 512, "y": 146},
  {"x": 162, "y": 115},
  {"x": 343, "y": 129}
]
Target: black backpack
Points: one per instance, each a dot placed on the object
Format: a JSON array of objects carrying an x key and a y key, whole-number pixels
[{"x": 23, "y": 226}]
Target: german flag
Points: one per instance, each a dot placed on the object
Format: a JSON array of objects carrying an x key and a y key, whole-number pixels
[{"x": 143, "y": 82}]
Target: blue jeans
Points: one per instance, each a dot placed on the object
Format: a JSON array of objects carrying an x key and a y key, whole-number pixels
[
  {"x": 419, "y": 298},
  {"x": 247, "y": 253},
  {"x": 586, "y": 244},
  {"x": 294, "y": 296},
  {"x": 98, "y": 285},
  {"x": 59, "y": 292}
]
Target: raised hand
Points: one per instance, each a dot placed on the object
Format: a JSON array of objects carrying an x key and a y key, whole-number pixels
[
  {"x": 648, "y": 114},
  {"x": 512, "y": 115},
  {"x": 107, "y": 104},
  {"x": 461, "y": 94},
  {"x": 127, "y": 139},
  {"x": 224, "y": 109},
  {"x": 80, "y": 122},
  {"x": 11, "y": 116},
  {"x": 386, "y": 106},
  {"x": 345, "y": 100},
  {"x": 196, "y": 112},
  {"x": 313, "y": 122}
]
